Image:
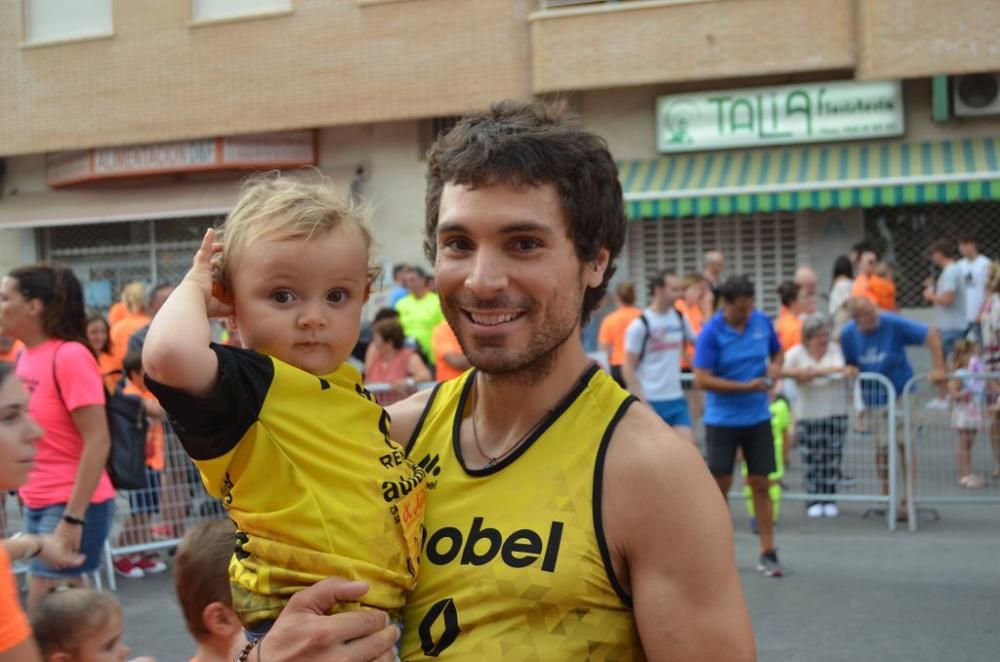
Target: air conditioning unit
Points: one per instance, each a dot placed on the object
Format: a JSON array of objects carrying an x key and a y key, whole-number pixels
[{"x": 976, "y": 94}]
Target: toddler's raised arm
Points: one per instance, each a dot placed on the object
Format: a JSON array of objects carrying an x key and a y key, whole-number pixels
[{"x": 176, "y": 351}]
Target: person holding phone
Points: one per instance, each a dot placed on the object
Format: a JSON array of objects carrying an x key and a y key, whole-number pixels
[{"x": 737, "y": 359}]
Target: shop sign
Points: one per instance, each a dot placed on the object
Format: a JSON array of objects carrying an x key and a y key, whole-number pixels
[
  {"x": 249, "y": 152},
  {"x": 755, "y": 117}
]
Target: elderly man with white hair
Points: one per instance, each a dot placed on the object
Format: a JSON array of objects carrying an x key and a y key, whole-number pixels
[{"x": 808, "y": 282}]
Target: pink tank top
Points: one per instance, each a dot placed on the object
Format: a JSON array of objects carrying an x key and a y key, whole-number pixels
[{"x": 381, "y": 372}]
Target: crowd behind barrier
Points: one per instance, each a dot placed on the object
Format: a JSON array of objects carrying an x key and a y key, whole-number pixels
[
  {"x": 154, "y": 520},
  {"x": 935, "y": 441}
]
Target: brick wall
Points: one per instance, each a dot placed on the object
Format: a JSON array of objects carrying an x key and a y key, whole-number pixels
[
  {"x": 639, "y": 43},
  {"x": 911, "y": 38},
  {"x": 325, "y": 64}
]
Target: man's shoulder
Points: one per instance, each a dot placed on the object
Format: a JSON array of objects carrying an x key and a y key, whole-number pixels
[
  {"x": 711, "y": 325},
  {"x": 643, "y": 436}
]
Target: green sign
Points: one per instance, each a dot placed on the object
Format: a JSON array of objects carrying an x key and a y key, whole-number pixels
[{"x": 753, "y": 117}]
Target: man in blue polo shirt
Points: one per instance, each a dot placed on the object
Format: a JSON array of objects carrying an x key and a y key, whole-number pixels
[
  {"x": 737, "y": 359},
  {"x": 876, "y": 341}
]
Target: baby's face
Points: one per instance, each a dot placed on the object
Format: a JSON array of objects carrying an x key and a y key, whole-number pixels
[
  {"x": 300, "y": 300},
  {"x": 105, "y": 643}
]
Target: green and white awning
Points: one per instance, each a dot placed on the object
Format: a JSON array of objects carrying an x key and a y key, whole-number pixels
[{"x": 814, "y": 177}]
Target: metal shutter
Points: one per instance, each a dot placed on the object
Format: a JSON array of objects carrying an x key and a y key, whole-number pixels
[{"x": 767, "y": 247}]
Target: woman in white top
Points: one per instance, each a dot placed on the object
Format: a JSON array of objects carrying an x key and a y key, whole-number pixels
[
  {"x": 817, "y": 366},
  {"x": 840, "y": 292}
]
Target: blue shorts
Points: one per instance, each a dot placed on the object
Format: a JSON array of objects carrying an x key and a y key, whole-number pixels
[
  {"x": 96, "y": 528},
  {"x": 146, "y": 500},
  {"x": 673, "y": 412}
]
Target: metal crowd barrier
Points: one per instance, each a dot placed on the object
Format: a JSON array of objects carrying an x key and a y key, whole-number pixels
[
  {"x": 934, "y": 441},
  {"x": 840, "y": 454}
]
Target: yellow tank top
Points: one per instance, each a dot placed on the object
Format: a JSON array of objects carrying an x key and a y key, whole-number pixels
[
  {"x": 307, "y": 471},
  {"x": 514, "y": 564}
]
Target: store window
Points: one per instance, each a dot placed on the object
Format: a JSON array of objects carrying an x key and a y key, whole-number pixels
[
  {"x": 216, "y": 10},
  {"x": 765, "y": 247},
  {"x": 903, "y": 235},
  {"x": 106, "y": 256},
  {"x": 60, "y": 20}
]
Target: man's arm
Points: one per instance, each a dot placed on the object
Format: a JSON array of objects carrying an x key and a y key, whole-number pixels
[
  {"x": 405, "y": 414},
  {"x": 631, "y": 379},
  {"x": 672, "y": 546},
  {"x": 933, "y": 344},
  {"x": 705, "y": 380},
  {"x": 942, "y": 299},
  {"x": 176, "y": 351}
]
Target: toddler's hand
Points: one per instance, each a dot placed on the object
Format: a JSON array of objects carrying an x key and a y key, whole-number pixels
[{"x": 205, "y": 275}]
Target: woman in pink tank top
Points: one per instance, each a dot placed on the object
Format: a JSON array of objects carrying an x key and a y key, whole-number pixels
[
  {"x": 68, "y": 492},
  {"x": 392, "y": 370}
]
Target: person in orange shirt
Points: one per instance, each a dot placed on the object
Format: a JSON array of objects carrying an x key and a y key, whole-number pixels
[
  {"x": 134, "y": 298},
  {"x": 117, "y": 312},
  {"x": 10, "y": 347},
  {"x": 143, "y": 503},
  {"x": 879, "y": 289},
  {"x": 99, "y": 340},
  {"x": 448, "y": 356},
  {"x": 882, "y": 285},
  {"x": 788, "y": 324},
  {"x": 696, "y": 308},
  {"x": 691, "y": 306},
  {"x": 611, "y": 336}
]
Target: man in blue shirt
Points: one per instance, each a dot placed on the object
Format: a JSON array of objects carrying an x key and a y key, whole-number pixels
[
  {"x": 737, "y": 359},
  {"x": 876, "y": 341}
]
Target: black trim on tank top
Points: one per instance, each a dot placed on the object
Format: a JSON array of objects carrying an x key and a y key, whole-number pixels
[
  {"x": 564, "y": 404},
  {"x": 602, "y": 542},
  {"x": 421, "y": 420}
]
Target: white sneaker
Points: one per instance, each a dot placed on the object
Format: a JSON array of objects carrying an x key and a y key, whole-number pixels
[
  {"x": 830, "y": 510},
  {"x": 815, "y": 511},
  {"x": 937, "y": 404}
]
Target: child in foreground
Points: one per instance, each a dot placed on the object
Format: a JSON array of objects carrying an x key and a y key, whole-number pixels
[
  {"x": 80, "y": 625},
  {"x": 201, "y": 581},
  {"x": 283, "y": 431}
]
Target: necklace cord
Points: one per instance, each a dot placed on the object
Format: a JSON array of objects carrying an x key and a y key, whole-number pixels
[{"x": 492, "y": 460}]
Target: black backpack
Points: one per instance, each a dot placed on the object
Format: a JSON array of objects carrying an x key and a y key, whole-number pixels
[
  {"x": 127, "y": 425},
  {"x": 645, "y": 338}
]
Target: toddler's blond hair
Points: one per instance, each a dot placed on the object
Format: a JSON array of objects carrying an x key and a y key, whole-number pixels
[
  {"x": 134, "y": 296},
  {"x": 277, "y": 207}
]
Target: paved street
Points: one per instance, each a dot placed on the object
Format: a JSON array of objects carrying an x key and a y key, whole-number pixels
[{"x": 854, "y": 592}]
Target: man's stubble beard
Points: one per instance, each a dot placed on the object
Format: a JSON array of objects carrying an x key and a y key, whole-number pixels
[{"x": 526, "y": 367}]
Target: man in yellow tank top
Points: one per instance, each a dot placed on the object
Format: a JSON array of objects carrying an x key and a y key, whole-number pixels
[{"x": 564, "y": 521}]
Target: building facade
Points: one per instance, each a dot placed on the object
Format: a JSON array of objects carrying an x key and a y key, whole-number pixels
[{"x": 127, "y": 126}]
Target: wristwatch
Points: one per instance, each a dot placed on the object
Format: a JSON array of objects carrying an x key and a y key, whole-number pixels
[
  {"x": 69, "y": 519},
  {"x": 38, "y": 549}
]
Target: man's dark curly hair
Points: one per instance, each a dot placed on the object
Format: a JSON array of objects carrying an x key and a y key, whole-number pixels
[{"x": 531, "y": 144}]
